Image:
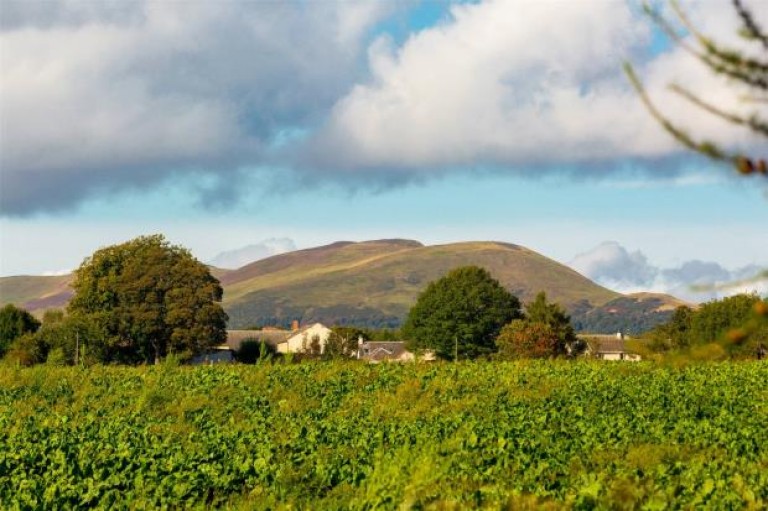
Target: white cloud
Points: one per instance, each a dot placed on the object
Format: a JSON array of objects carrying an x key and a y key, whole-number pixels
[
  {"x": 614, "y": 267},
  {"x": 233, "y": 259},
  {"x": 520, "y": 83}
]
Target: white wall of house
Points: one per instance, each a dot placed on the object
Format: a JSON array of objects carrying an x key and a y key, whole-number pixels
[
  {"x": 302, "y": 340},
  {"x": 620, "y": 356}
]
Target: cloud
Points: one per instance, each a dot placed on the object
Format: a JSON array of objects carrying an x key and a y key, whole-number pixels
[
  {"x": 518, "y": 84},
  {"x": 613, "y": 266},
  {"x": 103, "y": 96},
  {"x": 98, "y": 97},
  {"x": 233, "y": 259}
]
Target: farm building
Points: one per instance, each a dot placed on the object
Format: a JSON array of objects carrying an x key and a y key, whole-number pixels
[
  {"x": 297, "y": 340},
  {"x": 609, "y": 347},
  {"x": 389, "y": 351}
]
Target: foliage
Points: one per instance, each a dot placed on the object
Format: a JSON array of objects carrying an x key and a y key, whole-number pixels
[
  {"x": 252, "y": 350},
  {"x": 555, "y": 317},
  {"x": 675, "y": 333},
  {"x": 460, "y": 314},
  {"x": 150, "y": 299},
  {"x": 522, "y": 435},
  {"x": 746, "y": 72},
  {"x": 626, "y": 314},
  {"x": 342, "y": 342},
  {"x": 27, "y": 350},
  {"x": 738, "y": 324},
  {"x": 527, "y": 339},
  {"x": 15, "y": 322}
]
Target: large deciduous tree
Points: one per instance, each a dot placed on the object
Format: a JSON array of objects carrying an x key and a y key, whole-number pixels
[
  {"x": 150, "y": 298},
  {"x": 460, "y": 314}
]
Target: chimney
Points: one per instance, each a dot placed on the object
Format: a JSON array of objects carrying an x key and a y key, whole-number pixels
[{"x": 294, "y": 325}]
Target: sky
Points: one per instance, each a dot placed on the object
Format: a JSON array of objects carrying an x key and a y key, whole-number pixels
[{"x": 282, "y": 125}]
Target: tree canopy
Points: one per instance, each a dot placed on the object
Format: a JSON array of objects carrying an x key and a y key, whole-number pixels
[
  {"x": 527, "y": 339},
  {"x": 545, "y": 331},
  {"x": 738, "y": 323},
  {"x": 149, "y": 298},
  {"x": 460, "y": 314},
  {"x": 15, "y": 322}
]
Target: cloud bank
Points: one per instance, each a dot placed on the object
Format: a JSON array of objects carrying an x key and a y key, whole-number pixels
[
  {"x": 98, "y": 97},
  {"x": 614, "y": 267}
]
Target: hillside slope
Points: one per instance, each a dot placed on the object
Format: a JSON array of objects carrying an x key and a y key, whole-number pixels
[
  {"x": 38, "y": 293},
  {"x": 375, "y": 283}
]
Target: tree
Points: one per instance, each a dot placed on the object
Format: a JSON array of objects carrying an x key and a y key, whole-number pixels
[
  {"x": 149, "y": 299},
  {"x": 738, "y": 323},
  {"x": 460, "y": 314},
  {"x": 15, "y": 322},
  {"x": 527, "y": 339},
  {"x": 675, "y": 333},
  {"x": 75, "y": 340},
  {"x": 545, "y": 331},
  {"x": 555, "y": 317},
  {"x": 342, "y": 342},
  {"x": 253, "y": 350},
  {"x": 747, "y": 73}
]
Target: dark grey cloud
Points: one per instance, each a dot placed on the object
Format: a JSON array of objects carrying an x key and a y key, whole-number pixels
[
  {"x": 46, "y": 14},
  {"x": 102, "y": 96}
]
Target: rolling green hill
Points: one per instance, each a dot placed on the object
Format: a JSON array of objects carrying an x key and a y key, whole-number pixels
[{"x": 374, "y": 284}]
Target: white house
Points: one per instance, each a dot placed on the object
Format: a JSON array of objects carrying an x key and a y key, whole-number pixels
[
  {"x": 609, "y": 347},
  {"x": 306, "y": 340},
  {"x": 296, "y": 340}
]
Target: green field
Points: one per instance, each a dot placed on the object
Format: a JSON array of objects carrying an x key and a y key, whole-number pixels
[{"x": 351, "y": 436}]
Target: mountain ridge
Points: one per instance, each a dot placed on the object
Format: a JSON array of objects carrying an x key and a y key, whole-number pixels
[{"x": 374, "y": 283}]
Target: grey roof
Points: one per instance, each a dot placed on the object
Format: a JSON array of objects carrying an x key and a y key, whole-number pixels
[
  {"x": 379, "y": 350},
  {"x": 608, "y": 344}
]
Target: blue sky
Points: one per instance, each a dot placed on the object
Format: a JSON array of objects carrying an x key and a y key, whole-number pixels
[{"x": 225, "y": 124}]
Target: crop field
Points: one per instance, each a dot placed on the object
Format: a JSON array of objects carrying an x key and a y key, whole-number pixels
[{"x": 352, "y": 436}]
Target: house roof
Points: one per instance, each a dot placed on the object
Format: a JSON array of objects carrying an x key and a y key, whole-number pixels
[
  {"x": 608, "y": 344},
  {"x": 379, "y": 350}
]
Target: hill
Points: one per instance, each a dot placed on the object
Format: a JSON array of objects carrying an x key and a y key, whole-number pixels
[
  {"x": 36, "y": 293},
  {"x": 374, "y": 284}
]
